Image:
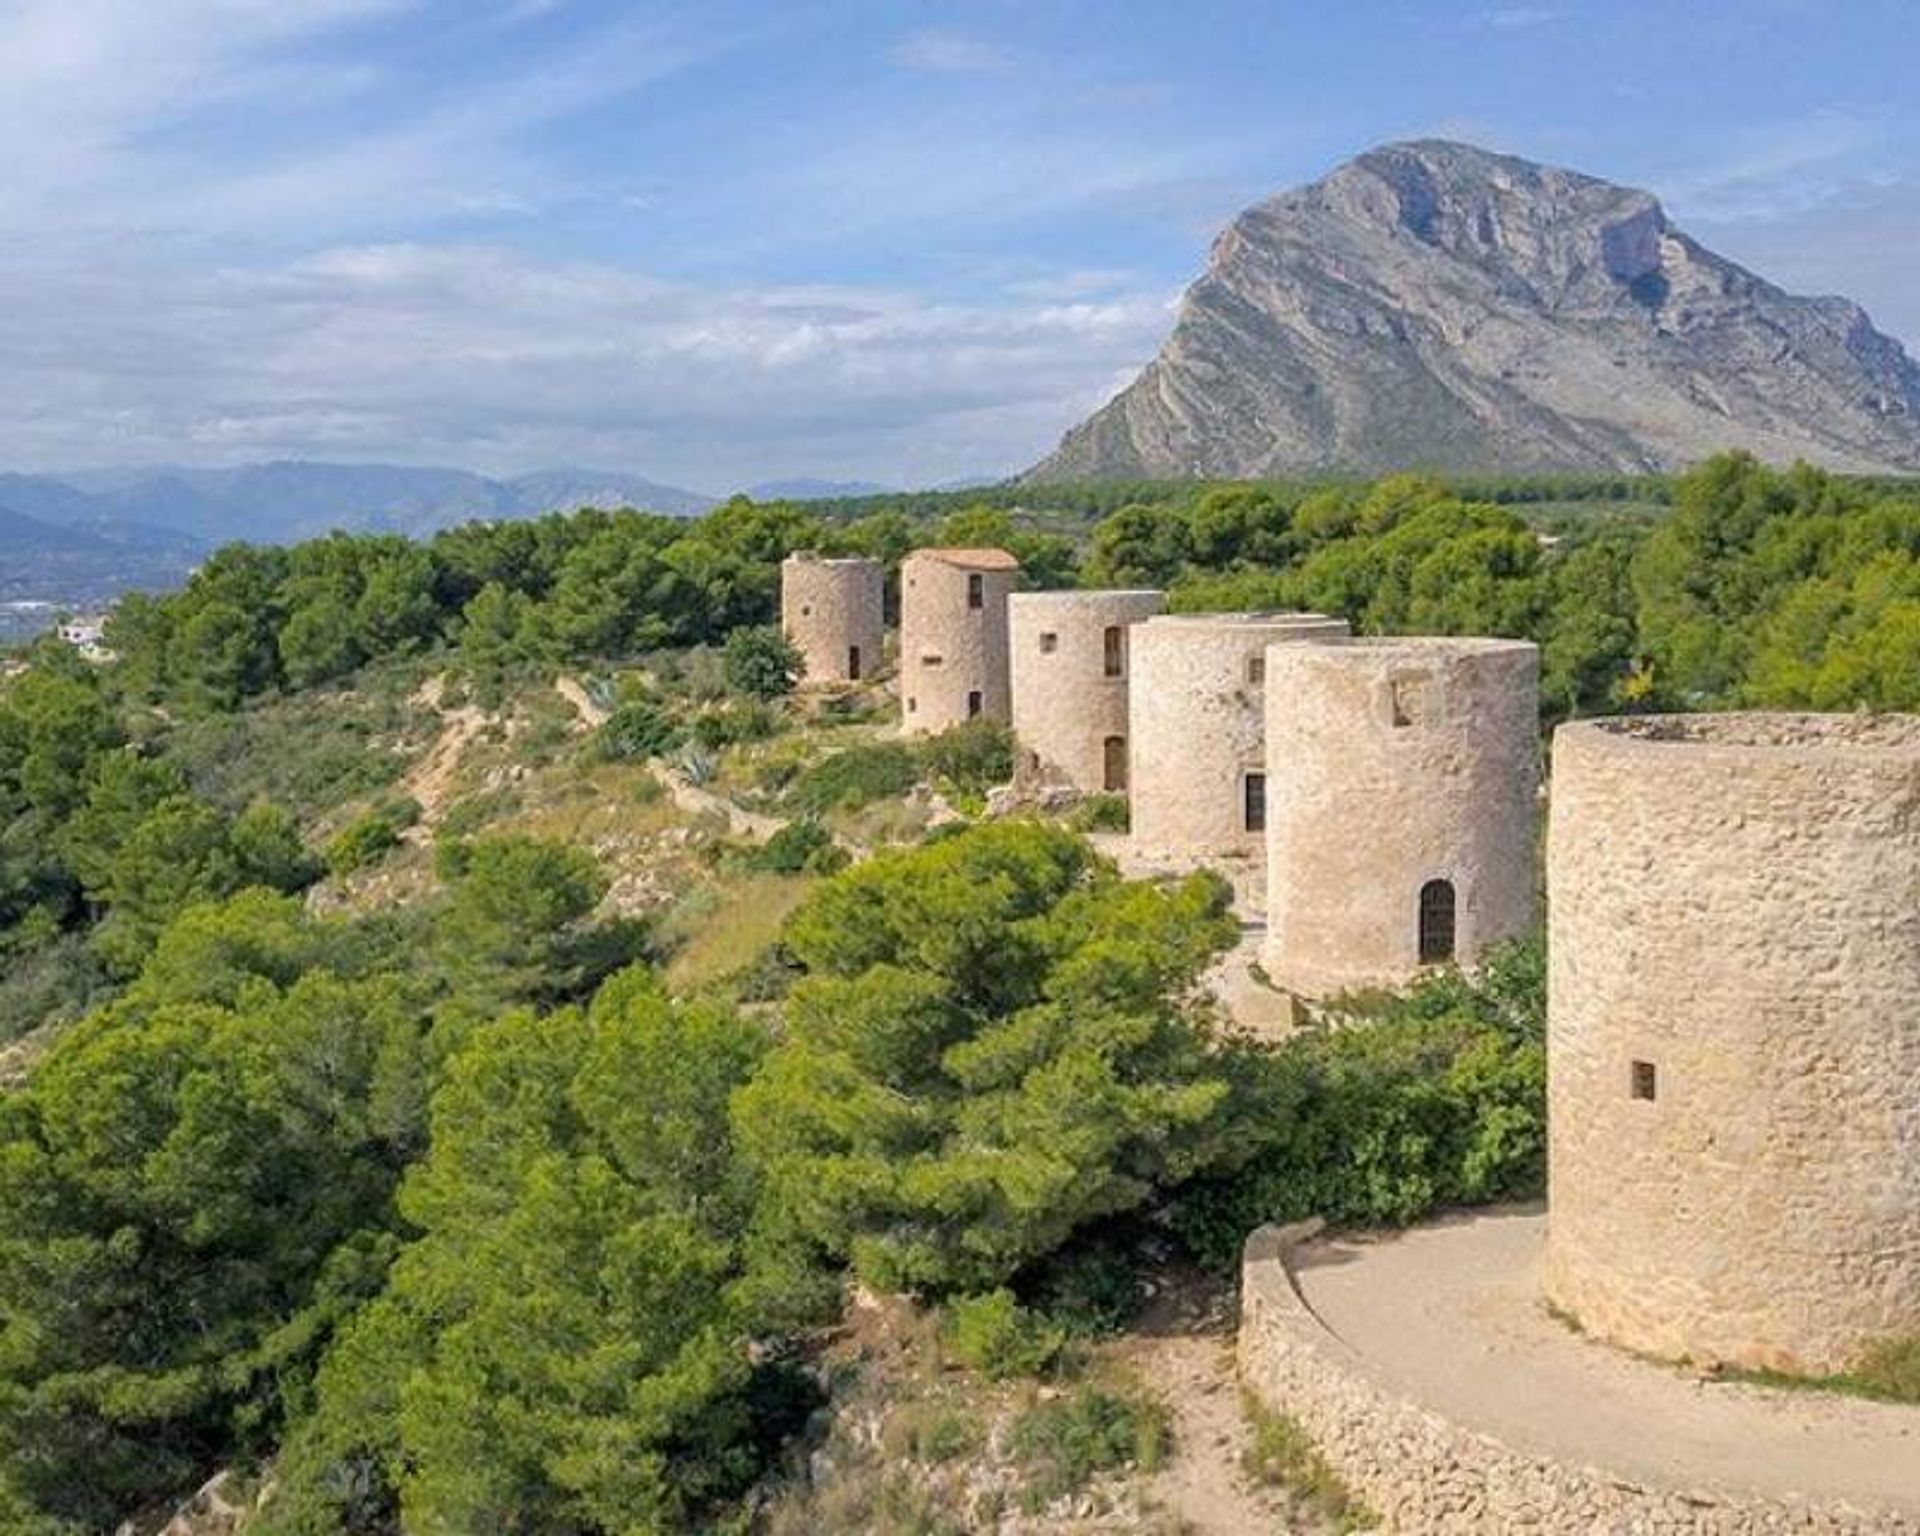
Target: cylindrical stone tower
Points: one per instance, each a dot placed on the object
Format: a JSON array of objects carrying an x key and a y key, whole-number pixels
[
  {"x": 1197, "y": 728},
  {"x": 1402, "y": 807},
  {"x": 953, "y": 636},
  {"x": 831, "y": 609},
  {"x": 1734, "y": 1035},
  {"x": 1069, "y": 665}
]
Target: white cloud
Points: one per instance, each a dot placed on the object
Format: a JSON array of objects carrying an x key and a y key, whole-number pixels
[
  {"x": 950, "y": 53},
  {"x": 478, "y": 355}
]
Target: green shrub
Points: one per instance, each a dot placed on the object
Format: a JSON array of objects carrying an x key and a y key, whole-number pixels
[
  {"x": 1440, "y": 1100},
  {"x": 761, "y": 662},
  {"x": 1101, "y": 813},
  {"x": 999, "y": 1338},
  {"x": 367, "y": 839},
  {"x": 639, "y": 729},
  {"x": 856, "y": 777},
  {"x": 1065, "y": 1442},
  {"x": 739, "y": 721},
  {"x": 933, "y": 1433},
  {"x": 972, "y": 758},
  {"x": 793, "y": 847}
]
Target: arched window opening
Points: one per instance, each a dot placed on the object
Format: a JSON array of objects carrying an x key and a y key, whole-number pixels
[
  {"x": 1436, "y": 922},
  {"x": 1114, "y": 643},
  {"x": 1113, "y": 777}
]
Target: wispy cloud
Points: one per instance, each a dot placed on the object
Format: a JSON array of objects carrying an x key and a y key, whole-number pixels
[
  {"x": 1774, "y": 169},
  {"x": 950, "y": 53},
  {"x": 481, "y": 355}
]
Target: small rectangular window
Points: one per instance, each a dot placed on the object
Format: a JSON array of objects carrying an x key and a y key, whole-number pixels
[
  {"x": 973, "y": 703},
  {"x": 1049, "y": 643},
  {"x": 1645, "y": 1081},
  {"x": 1255, "y": 807},
  {"x": 931, "y": 659},
  {"x": 976, "y": 591},
  {"x": 1256, "y": 670},
  {"x": 913, "y": 704},
  {"x": 1114, "y": 651}
]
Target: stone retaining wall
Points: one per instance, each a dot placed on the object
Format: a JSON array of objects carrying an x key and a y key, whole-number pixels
[{"x": 1422, "y": 1473}]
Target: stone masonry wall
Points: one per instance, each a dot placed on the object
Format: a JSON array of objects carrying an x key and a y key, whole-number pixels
[
  {"x": 1066, "y": 704},
  {"x": 1735, "y": 907},
  {"x": 948, "y": 649},
  {"x": 828, "y": 609},
  {"x": 1197, "y": 726},
  {"x": 1427, "y": 1476},
  {"x": 1392, "y": 764}
]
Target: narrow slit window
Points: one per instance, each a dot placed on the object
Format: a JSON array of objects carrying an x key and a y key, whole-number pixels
[
  {"x": 1436, "y": 922},
  {"x": 1256, "y": 670},
  {"x": 853, "y": 663},
  {"x": 1114, "y": 643},
  {"x": 973, "y": 703},
  {"x": 1254, "y": 807},
  {"x": 1645, "y": 1081},
  {"x": 976, "y": 591}
]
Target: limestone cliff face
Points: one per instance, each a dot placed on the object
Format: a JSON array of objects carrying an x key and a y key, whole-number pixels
[{"x": 1433, "y": 305}]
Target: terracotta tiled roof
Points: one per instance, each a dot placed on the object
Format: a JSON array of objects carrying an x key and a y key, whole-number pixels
[{"x": 978, "y": 559}]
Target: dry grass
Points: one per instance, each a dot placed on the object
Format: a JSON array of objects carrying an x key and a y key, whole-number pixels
[{"x": 722, "y": 928}]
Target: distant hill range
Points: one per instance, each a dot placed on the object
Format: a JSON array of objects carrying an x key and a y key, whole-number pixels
[
  {"x": 84, "y": 536},
  {"x": 1434, "y": 305}
]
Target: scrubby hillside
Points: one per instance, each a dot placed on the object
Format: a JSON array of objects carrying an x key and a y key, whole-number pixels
[{"x": 478, "y": 1029}]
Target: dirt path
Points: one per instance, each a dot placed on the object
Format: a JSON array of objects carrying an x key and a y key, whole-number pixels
[
  {"x": 1183, "y": 1352},
  {"x": 574, "y": 692},
  {"x": 431, "y": 780},
  {"x": 695, "y": 801}
]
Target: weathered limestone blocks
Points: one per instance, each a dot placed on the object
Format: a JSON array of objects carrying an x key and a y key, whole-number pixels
[
  {"x": 953, "y": 636},
  {"x": 1069, "y": 670},
  {"x": 833, "y": 611},
  {"x": 1425, "y": 1475},
  {"x": 1734, "y": 1038},
  {"x": 1402, "y": 807},
  {"x": 1197, "y": 728}
]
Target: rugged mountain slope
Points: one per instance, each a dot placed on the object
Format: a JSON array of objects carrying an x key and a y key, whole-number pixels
[{"x": 1432, "y": 304}]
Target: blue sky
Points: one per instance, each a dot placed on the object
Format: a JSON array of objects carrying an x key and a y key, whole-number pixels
[{"x": 719, "y": 242}]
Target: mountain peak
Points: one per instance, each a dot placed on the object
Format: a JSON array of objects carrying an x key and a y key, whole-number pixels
[{"x": 1435, "y": 304}]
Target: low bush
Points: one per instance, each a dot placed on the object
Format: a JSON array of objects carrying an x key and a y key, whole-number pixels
[
  {"x": 854, "y": 778},
  {"x": 1440, "y": 1099},
  {"x": 367, "y": 839},
  {"x": 760, "y": 662},
  {"x": 638, "y": 729},
  {"x": 971, "y": 758},
  {"x": 799, "y": 845},
  {"x": 741, "y": 720},
  {"x": 1101, "y": 813},
  {"x": 1063, "y": 1443},
  {"x": 996, "y": 1336}
]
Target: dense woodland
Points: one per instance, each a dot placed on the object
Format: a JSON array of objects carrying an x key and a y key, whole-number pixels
[{"x": 459, "y": 1216}]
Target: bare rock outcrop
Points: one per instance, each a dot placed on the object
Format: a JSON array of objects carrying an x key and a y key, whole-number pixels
[{"x": 1433, "y": 305}]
